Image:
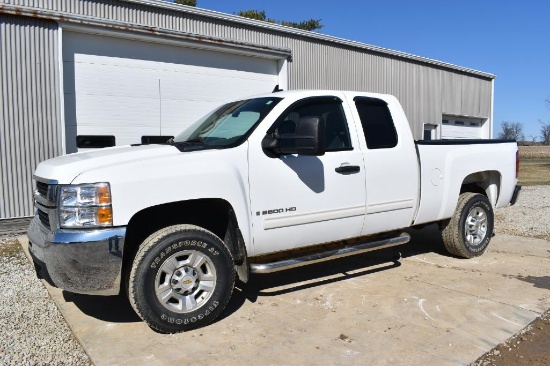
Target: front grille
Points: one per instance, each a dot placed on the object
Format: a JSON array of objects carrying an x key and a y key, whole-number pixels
[
  {"x": 44, "y": 192},
  {"x": 42, "y": 189},
  {"x": 44, "y": 218}
]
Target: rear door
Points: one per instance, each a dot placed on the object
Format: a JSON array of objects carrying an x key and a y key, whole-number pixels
[
  {"x": 304, "y": 200},
  {"x": 391, "y": 164}
]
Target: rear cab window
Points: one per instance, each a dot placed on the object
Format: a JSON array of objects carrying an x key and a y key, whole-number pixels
[{"x": 377, "y": 122}]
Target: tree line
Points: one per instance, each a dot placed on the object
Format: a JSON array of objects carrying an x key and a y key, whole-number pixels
[
  {"x": 308, "y": 25},
  {"x": 514, "y": 130}
]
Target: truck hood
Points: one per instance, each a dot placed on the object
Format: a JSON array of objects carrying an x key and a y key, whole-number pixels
[{"x": 64, "y": 169}]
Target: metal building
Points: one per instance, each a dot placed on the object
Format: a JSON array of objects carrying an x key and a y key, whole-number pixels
[{"x": 131, "y": 70}]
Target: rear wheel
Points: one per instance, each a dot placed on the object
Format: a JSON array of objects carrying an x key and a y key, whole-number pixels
[
  {"x": 181, "y": 279},
  {"x": 468, "y": 232}
]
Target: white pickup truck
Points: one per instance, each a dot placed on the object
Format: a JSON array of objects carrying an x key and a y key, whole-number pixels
[{"x": 256, "y": 186}]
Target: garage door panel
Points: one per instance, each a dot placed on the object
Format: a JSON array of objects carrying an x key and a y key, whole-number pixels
[
  {"x": 103, "y": 109},
  {"x": 122, "y": 86},
  {"x": 107, "y": 79},
  {"x": 454, "y": 132},
  {"x": 213, "y": 71},
  {"x": 78, "y": 46},
  {"x": 211, "y": 88},
  {"x": 212, "y": 76},
  {"x": 461, "y": 128},
  {"x": 113, "y": 80}
]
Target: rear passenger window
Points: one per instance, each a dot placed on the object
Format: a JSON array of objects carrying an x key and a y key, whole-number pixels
[
  {"x": 326, "y": 108},
  {"x": 377, "y": 123}
]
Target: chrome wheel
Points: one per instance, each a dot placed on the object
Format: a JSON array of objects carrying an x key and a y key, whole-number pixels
[
  {"x": 475, "y": 226},
  {"x": 185, "y": 281}
]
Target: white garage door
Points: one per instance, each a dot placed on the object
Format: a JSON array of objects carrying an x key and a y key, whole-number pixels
[
  {"x": 129, "y": 89},
  {"x": 461, "y": 128}
]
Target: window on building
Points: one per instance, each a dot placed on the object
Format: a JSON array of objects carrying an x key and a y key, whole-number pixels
[
  {"x": 95, "y": 141},
  {"x": 377, "y": 122},
  {"x": 430, "y": 132}
]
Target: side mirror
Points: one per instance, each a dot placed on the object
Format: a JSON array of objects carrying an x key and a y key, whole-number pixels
[{"x": 309, "y": 139}]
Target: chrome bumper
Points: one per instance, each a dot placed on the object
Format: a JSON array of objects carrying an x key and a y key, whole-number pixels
[{"x": 79, "y": 261}]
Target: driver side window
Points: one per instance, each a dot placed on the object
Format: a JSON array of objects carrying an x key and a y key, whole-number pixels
[{"x": 331, "y": 112}]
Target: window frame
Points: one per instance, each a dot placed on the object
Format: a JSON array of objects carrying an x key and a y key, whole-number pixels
[
  {"x": 322, "y": 99},
  {"x": 375, "y": 101}
]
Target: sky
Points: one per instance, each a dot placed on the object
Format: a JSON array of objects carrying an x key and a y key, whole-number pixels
[{"x": 510, "y": 39}]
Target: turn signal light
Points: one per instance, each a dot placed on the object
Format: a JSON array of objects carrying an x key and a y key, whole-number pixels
[
  {"x": 103, "y": 195},
  {"x": 105, "y": 215}
]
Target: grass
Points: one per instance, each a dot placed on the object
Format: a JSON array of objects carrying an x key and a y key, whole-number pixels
[
  {"x": 534, "y": 166},
  {"x": 534, "y": 172}
]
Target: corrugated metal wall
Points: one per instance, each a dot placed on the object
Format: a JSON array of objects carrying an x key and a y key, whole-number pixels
[
  {"x": 29, "y": 107},
  {"x": 426, "y": 91},
  {"x": 315, "y": 64}
]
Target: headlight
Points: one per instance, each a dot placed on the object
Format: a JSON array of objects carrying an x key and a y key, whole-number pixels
[{"x": 85, "y": 205}]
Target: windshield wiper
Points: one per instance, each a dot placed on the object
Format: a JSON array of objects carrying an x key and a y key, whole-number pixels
[
  {"x": 191, "y": 144},
  {"x": 196, "y": 140}
]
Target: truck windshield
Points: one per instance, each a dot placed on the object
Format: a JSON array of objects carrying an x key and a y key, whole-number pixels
[{"x": 229, "y": 124}]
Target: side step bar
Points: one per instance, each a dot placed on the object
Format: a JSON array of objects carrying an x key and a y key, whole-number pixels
[{"x": 329, "y": 255}]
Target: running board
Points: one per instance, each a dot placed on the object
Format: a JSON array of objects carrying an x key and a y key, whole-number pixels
[{"x": 329, "y": 255}]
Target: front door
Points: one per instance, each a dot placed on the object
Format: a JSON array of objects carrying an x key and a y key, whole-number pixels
[{"x": 304, "y": 200}]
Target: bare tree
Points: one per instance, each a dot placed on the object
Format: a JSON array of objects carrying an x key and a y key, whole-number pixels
[
  {"x": 533, "y": 139},
  {"x": 511, "y": 131},
  {"x": 545, "y": 132}
]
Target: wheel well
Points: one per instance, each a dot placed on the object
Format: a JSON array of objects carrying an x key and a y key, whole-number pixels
[
  {"x": 486, "y": 183},
  {"x": 215, "y": 215}
]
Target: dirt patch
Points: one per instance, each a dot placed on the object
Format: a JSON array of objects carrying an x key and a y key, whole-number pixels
[
  {"x": 532, "y": 345},
  {"x": 10, "y": 248},
  {"x": 529, "y": 347}
]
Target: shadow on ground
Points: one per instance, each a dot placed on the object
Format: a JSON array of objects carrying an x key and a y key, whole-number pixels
[
  {"x": 117, "y": 309},
  {"x": 114, "y": 309}
]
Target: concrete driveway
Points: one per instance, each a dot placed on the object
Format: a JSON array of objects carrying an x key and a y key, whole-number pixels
[{"x": 426, "y": 308}]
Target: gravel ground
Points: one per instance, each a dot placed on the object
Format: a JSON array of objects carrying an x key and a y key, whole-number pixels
[
  {"x": 38, "y": 335},
  {"x": 33, "y": 330},
  {"x": 530, "y": 216}
]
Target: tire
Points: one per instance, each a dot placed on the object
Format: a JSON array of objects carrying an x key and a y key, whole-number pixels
[
  {"x": 182, "y": 278},
  {"x": 468, "y": 232}
]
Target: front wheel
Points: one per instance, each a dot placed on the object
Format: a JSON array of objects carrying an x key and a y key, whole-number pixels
[
  {"x": 181, "y": 279},
  {"x": 468, "y": 232}
]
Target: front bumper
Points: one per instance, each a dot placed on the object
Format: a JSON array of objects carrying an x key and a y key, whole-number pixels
[{"x": 86, "y": 261}]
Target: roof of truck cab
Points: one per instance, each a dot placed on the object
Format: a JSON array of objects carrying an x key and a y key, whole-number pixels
[{"x": 314, "y": 92}]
